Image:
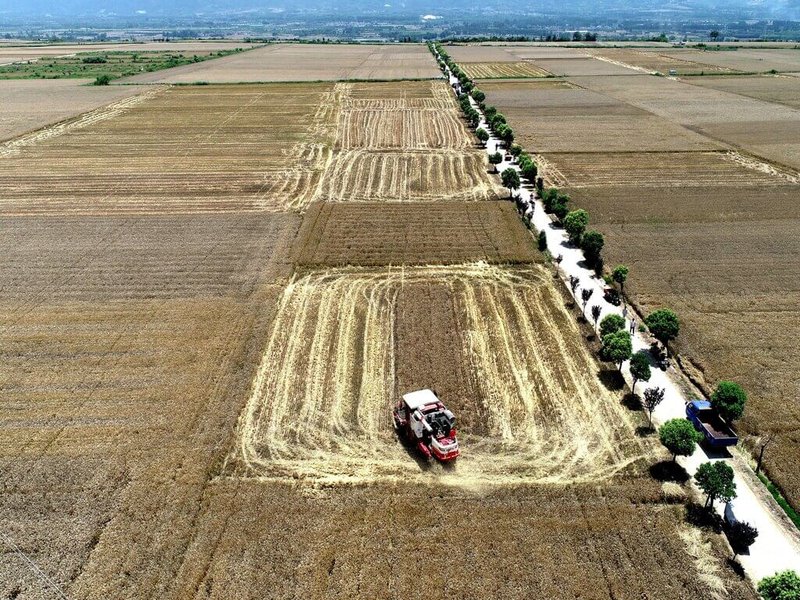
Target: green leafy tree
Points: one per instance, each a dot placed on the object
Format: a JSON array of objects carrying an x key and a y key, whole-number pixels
[
  {"x": 495, "y": 159},
  {"x": 640, "y": 368},
  {"x": 529, "y": 169},
  {"x": 652, "y": 398},
  {"x": 620, "y": 275},
  {"x": 102, "y": 80},
  {"x": 507, "y": 135},
  {"x": 515, "y": 150},
  {"x": 716, "y": 480},
  {"x": 611, "y": 323},
  {"x": 592, "y": 244},
  {"x": 729, "y": 399},
  {"x": 663, "y": 324},
  {"x": 482, "y": 135},
  {"x": 679, "y": 437},
  {"x": 549, "y": 198},
  {"x": 575, "y": 224},
  {"x": 478, "y": 95},
  {"x": 490, "y": 112},
  {"x": 616, "y": 348},
  {"x": 510, "y": 179},
  {"x": 542, "y": 241},
  {"x": 781, "y": 586},
  {"x": 560, "y": 210}
]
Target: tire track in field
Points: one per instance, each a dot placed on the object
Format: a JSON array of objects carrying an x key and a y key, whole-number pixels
[{"x": 320, "y": 404}]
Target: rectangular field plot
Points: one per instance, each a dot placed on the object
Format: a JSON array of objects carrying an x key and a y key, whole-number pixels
[
  {"x": 652, "y": 60},
  {"x": 660, "y": 169},
  {"x": 364, "y": 176},
  {"x": 770, "y": 88},
  {"x": 427, "y": 233},
  {"x": 307, "y": 62},
  {"x": 409, "y": 116},
  {"x": 496, "y": 343},
  {"x": 503, "y": 70},
  {"x": 187, "y": 149}
]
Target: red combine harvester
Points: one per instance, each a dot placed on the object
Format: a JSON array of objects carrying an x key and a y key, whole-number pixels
[{"x": 422, "y": 419}]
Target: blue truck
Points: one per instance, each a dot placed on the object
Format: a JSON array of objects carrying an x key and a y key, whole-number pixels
[{"x": 705, "y": 419}]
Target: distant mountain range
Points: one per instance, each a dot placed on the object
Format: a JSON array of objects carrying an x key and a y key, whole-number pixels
[{"x": 775, "y": 9}]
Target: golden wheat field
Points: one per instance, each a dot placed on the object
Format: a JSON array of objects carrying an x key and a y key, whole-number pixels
[
  {"x": 338, "y": 354},
  {"x": 210, "y": 299}
]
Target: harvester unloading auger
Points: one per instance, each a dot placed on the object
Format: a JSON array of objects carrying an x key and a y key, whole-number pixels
[{"x": 424, "y": 421}]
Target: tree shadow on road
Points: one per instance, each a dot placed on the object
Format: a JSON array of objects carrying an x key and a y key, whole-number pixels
[{"x": 668, "y": 470}]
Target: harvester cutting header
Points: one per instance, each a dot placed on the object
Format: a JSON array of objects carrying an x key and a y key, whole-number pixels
[{"x": 422, "y": 420}]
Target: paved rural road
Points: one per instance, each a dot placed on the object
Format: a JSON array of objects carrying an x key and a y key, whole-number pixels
[{"x": 778, "y": 545}]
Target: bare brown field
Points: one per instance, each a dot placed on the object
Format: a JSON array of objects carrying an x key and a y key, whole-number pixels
[
  {"x": 504, "y": 70},
  {"x": 765, "y": 129},
  {"x": 579, "y": 67},
  {"x": 186, "y": 149},
  {"x": 307, "y": 62},
  {"x": 684, "y": 103},
  {"x": 339, "y": 234},
  {"x": 653, "y": 60},
  {"x": 661, "y": 169},
  {"x": 778, "y": 89},
  {"x": 32, "y": 104},
  {"x": 497, "y": 343},
  {"x": 748, "y": 60},
  {"x": 466, "y": 54}
]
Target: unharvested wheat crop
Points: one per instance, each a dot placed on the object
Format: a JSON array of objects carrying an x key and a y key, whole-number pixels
[{"x": 345, "y": 344}]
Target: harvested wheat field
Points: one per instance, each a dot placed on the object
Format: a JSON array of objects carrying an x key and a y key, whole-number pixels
[
  {"x": 711, "y": 234},
  {"x": 779, "y": 89},
  {"x": 202, "y": 342},
  {"x": 307, "y": 62},
  {"x": 497, "y": 343},
  {"x": 662, "y": 169},
  {"x": 503, "y": 70},
  {"x": 185, "y": 149},
  {"x": 404, "y": 142},
  {"x": 29, "y": 105},
  {"x": 656, "y": 61},
  {"x": 338, "y": 234}
]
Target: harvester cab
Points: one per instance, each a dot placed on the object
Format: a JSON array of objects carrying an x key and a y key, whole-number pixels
[{"x": 423, "y": 420}]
